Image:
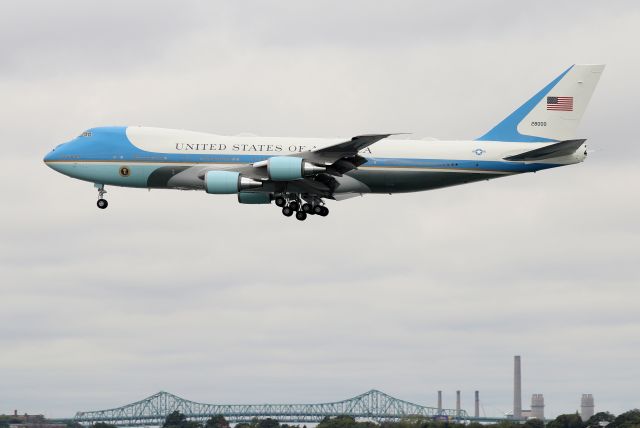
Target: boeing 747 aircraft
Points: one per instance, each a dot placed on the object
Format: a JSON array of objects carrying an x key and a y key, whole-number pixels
[{"x": 298, "y": 174}]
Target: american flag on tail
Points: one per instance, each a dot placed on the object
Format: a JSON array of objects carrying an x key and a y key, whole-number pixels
[{"x": 560, "y": 103}]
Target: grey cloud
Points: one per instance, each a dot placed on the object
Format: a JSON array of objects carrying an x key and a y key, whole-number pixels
[
  {"x": 60, "y": 39},
  {"x": 407, "y": 293}
]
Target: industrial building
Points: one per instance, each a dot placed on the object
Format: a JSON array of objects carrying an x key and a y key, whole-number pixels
[
  {"x": 586, "y": 407},
  {"x": 29, "y": 421}
]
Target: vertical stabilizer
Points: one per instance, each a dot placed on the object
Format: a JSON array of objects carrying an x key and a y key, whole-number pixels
[{"x": 553, "y": 114}]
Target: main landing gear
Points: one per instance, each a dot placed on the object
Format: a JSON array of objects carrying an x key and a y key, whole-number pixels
[
  {"x": 102, "y": 203},
  {"x": 291, "y": 204},
  {"x": 287, "y": 211}
]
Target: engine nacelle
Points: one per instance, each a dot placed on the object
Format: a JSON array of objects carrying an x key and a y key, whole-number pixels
[
  {"x": 287, "y": 168},
  {"x": 228, "y": 182},
  {"x": 254, "y": 198}
]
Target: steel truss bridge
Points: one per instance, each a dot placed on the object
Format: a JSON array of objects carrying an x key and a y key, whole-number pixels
[{"x": 373, "y": 405}]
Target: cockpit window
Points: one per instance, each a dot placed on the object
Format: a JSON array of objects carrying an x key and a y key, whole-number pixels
[{"x": 86, "y": 134}]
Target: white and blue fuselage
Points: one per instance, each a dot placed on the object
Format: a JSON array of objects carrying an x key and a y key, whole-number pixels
[
  {"x": 173, "y": 159},
  {"x": 538, "y": 135}
]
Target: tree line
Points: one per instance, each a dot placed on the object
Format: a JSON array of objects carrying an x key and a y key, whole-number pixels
[{"x": 630, "y": 419}]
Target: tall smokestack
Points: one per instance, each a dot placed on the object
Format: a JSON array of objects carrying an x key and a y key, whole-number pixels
[
  {"x": 457, "y": 402},
  {"x": 517, "y": 388},
  {"x": 537, "y": 406},
  {"x": 476, "y": 413},
  {"x": 586, "y": 407},
  {"x": 439, "y": 401}
]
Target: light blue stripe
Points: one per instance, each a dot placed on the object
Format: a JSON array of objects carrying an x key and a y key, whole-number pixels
[
  {"x": 507, "y": 130},
  {"x": 106, "y": 173},
  {"x": 460, "y": 164},
  {"x": 371, "y": 162},
  {"x": 110, "y": 144}
]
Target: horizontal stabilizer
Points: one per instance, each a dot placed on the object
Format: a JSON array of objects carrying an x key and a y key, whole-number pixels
[{"x": 563, "y": 148}]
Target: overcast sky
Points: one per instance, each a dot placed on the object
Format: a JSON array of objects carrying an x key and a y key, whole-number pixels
[{"x": 222, "y": 303}]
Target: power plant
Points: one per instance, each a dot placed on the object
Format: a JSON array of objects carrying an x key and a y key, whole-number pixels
[
  {"x": 537, "y": 400},
  {"x": 517, "y": 388},
  {"x": 373, "y": 405},
  {"x": 586, "y": 406},
  {"x": 476, "y": 412},
  {"x": 537, "y": 406}
]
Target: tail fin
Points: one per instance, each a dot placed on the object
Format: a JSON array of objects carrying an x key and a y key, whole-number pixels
[{"x": 553, "y": 114}]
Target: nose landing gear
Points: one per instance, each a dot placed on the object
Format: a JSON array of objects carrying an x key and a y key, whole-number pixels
[{"x": 102, "y": 203}]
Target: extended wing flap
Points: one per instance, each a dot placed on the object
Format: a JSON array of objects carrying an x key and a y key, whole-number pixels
[
  {"x": 354, "y": 145},
  {"x": 344, "y": 150}
]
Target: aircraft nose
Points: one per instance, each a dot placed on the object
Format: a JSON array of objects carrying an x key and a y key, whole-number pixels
[
  {"x": 53, "y": 155},
  {"x": 48, "y": 157}
]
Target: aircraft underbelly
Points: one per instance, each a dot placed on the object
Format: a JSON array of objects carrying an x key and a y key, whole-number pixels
[
  {"x": 189, "y": 177},
  {"x": 414, "y": 181}
]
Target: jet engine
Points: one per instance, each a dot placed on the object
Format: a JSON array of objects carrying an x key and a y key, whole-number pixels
[
  {"x": 228, "y": 182},
  {"x": 287, "y": 168}
]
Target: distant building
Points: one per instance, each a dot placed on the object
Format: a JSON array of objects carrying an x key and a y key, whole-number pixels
[
  {"x": 517, "y": 388},
  {"x": 537, "y": 406},
  {"x": 25, "y": 418},
  {"x": 37, "y": 425},
  {"x": 29, "y": 421},
  {"x": 524, "y": 414},
  {"x": 586, "y": 407}
]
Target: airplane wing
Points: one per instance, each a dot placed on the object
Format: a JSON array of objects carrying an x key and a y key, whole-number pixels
[
  {"x": 337, "y": 158},
  {"x": 330, "y": 154},
  {"x": 342, "y": 157},
  {"x": 333, "y": 160}
]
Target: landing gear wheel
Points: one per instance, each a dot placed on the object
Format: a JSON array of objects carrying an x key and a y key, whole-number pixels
[
  {"x": 280, "y": 201},
  {"x": 287, "y": 211},
  {"x": 306, "y": 208},
  {"x": 301, "y": 215},
  {"x": 294, "y": 205},
  {"x": 102, "y": 203},
  {"x": 324, "y": 212},
  {"x": 317, "y": 209}
]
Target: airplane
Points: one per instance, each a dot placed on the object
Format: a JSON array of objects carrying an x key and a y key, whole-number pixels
[{"x": 299, "y": 174}]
